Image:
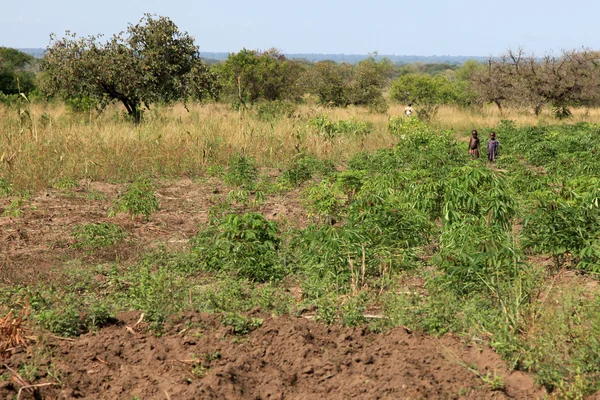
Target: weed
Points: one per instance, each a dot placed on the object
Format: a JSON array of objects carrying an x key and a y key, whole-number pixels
[
  {"x": 5, "y": 188},
  {"x": 242, "y": 171},
  {"x": 239, "y": 324},
  {"x": 139, "y": 199},
  {"x": 15, "y": 208},
  {"x": 65, "y": 184},
  {"x": 246, "y": 244},
  {"x": 98, "y": 235}
]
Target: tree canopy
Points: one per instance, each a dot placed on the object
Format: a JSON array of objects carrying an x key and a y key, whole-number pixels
[
  {"x": 252, "y": 75},
  {"x": 14, "y": 74},
  {"x": 151, "y": 62}
]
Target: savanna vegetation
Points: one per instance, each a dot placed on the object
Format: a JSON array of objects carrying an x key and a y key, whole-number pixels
[{"x": 398, "y": 226}]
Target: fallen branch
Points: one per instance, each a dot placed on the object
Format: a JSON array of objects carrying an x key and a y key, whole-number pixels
[{"x": 35, "y": 387}]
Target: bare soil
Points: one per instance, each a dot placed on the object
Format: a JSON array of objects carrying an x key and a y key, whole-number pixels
[
  {"x": 286, "y": 358},
  {"x": 37, "y": 245}
]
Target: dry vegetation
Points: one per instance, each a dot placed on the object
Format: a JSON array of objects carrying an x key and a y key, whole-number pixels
[{"x": 43, "y": 143}]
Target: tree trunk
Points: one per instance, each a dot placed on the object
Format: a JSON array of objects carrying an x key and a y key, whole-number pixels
[
  {"x": 499, "y": 105},
  {"x": 133, "y": 109}
]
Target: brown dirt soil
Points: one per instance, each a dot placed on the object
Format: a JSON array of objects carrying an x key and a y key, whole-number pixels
[
  {"x": 37, "y": 245},
  {"x": 286, "y": 358}
]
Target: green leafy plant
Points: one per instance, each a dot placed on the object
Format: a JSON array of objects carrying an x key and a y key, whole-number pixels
[
  {"x": 242, "y": 171},
  {"x": 240, "y": 324},
  {"x": 98, "y": 235},
  {"x": 139, "y": 199},
  {"x": 5, "y": 188},
  {"x": 246, "y": 244},
  {"x": 15, "y": 208}
]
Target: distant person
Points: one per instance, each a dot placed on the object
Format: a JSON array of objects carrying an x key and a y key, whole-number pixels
[
  {"x": 408, "y": 110},
  {"x": 474, "y": 144},
  {"x": 492, "y": 147}
]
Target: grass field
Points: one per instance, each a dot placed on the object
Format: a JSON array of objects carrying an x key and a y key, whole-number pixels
[{"x": 292, "y": 251}]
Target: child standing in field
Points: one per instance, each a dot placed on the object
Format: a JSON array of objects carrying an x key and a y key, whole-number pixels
[
  {"x": 474, "y": 144},
  {"x": 492, "y": 147},
  {"x": 408, "y": 110}
]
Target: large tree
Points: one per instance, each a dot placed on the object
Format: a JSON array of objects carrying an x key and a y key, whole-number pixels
[{"x": 149, "y": 63}]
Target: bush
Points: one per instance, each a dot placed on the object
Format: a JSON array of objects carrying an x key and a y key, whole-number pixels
[
  {"x": 330, "y": 129},
  {"x": 245, "y": 244},
  {"x": 242, "y": 171},
  {"x": 139, "y": 199},
  {"x": 101, "y": 235},
  {"x": 275, "y": 110}
]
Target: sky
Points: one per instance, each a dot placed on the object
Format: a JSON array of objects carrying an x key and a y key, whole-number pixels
[{"x": 394, "y": 27}]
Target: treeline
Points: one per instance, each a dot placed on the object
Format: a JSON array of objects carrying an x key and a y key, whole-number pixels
[{"x": 153, "y": 62}]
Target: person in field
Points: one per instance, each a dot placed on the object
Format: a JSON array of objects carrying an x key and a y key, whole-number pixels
[
  {"x": 474, "y": 144},
  {"x": 408, "y": 110},
  {"x": 492, "y": 147}
]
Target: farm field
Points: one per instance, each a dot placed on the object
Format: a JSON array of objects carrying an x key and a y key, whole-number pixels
[{"x": 295, "y": 252}]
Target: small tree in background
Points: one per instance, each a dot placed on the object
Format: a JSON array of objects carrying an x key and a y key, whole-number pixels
[
  {"x": 330, "y": 82},
  {"x": 266, "y": 75},
  {"x": 14, "y": 74},
  {"x": 425, "y": 91},
  {"x": 151, "y": 62},
  {"x": 370, "y": 77},
  {"x": 522, "y": 79}
]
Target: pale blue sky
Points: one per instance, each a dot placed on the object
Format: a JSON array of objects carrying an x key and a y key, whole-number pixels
[{"x": 434, "y": 27}]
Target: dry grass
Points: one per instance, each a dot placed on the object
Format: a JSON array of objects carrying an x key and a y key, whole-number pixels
[
  {"x": 12, "y": 333},
  {"x": 47, "y": 142}
]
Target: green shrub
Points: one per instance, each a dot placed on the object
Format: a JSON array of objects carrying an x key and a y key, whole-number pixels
[
  {"x": 98, "y": 235},
  {"x": 15, "y": 208},
  {"x": 245, "y": 244},
  {"x": 274, "y": 110},
  {"x": 242, "y": 171},
  {"x": 139, "y": 199},
  {"x": 5, "y": 188},
  {"x": 241, "y": 325},
  {"x": 330, "y": 129}
]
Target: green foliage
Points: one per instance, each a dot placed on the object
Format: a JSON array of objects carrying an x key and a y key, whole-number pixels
[
  {"x": 154, "y": 62},
  {"x": 475, "y": 192},
  {"x": 15, "y": 78},
  {"x": 245, "y": 244},
  {"x": 353, "y": 311},
  {"x": 327, "y": 309},
  {"x": 275, "y": 110},
  {"x": 72, "y": 318},
  {"x": 65, "y": 184},
  {"x": 425, "y": 91},
  {"x": 565, "y": 222},
  {"x": 82, "y": 104},
  {"x": 98, "y": 235},
  {"x": 340, "y": 85},
  {"x": 300, "y": 170},
  {"x": 5, "y": 188},
  {"x": 242, "y": 171},
  {"x": 139, "y": 199},
  {"x": 251, "y": 75},
  {"x": 330, "y": 82},
  {"x": 241, "y": 325},
  {"x": 15, "y": 208},
  {"x": 330, "y": 129},
  {"x": 156, "y": 292},
  {"x": 324, "y": 200}
]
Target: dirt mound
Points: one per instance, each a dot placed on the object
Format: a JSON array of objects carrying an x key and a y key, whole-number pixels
[{"x": 286, "y": 358}]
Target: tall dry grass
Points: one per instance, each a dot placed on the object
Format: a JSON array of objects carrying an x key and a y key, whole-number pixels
[{"x": 42, "y": 143}]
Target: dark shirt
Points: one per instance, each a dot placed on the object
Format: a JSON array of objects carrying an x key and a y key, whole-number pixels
[{"x": 492, "y": 149}]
